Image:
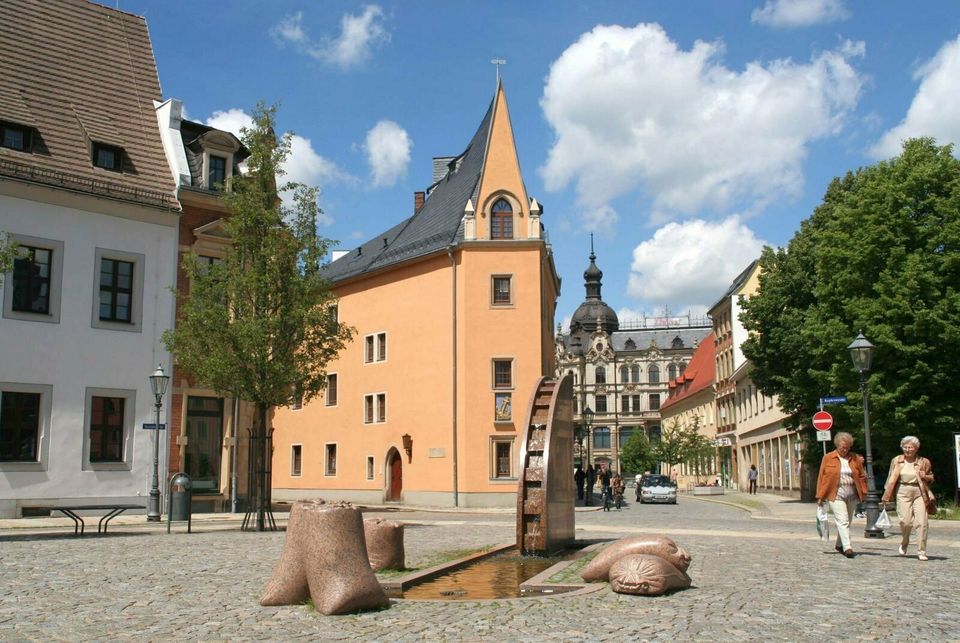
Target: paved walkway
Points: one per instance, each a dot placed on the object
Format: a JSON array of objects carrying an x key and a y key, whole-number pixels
[{"x": 754, "y": 579}]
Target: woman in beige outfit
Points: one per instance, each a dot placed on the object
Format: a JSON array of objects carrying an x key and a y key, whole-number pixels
[{"x": 909, "y": 478}]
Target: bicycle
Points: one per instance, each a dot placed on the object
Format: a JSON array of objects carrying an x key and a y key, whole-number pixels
[
  {"x": 605, "y": 494},
  {"x": 618, "y": 498}
]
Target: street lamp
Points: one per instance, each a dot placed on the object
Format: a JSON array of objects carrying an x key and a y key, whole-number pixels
[
  {"x": 587, "y": 423},
  {"x": 158, "y": 385},
  {"x": 861, "y": 352}
]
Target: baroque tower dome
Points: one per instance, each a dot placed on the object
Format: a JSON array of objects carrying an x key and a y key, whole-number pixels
[{"x": 593, "y": 312}]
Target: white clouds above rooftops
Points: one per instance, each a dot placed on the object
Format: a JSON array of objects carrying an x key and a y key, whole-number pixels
[
  {"x": 303, "y": 165},
  {"x": 785, "y": 14},
  {"x": 387, "y": 147},
  {"x": 359, "y": 35},
  {"x": 935, "y": 110},
  {"x": 688, "y": 264},
  {"x": 630, "y": 109}
]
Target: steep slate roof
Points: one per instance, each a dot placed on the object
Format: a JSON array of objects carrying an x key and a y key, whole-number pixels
[
  {"x": 75, "y": 70},
  {"x": 190, "y": 132},
  {"x": 738, "y": 281},
  {"x": 642, "y": 337},
  {"x": 698, "y": 375},
  {"x": 433, "y": 227}
]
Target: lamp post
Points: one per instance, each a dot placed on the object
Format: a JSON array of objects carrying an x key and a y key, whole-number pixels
[
  {"x": 587, "y": 423},
  {"x": 158, "y": 385},
  {"x": 861, "y": 352}
]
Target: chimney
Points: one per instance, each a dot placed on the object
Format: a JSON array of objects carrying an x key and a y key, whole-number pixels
[{"x": 418, "y": 199}]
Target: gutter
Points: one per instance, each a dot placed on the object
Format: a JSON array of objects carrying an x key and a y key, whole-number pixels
[{"x": 453, "y": 318}]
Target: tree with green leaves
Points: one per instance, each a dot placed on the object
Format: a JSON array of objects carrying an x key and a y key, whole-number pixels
[
  {"x": 262, "y": 324},
  {"x": 9, "y": 251},
  {"x": 880, "y": 255},
  {"x": 683, "y": 443},
  {"x": 636, "y": 454}
]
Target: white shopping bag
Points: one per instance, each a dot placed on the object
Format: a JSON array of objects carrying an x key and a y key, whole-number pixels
[
  {"x": 823, "y": 527},
  {"x": 883, "y": 520}
]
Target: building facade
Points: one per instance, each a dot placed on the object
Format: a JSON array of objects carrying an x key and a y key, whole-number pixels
[
  {"x": 207, "y": 432},
  {"x": 86, "y": 192},
  {"x": 453, "y": 309},
  {"x": 750, "y": 427},
  {"x": 620, "y": 373}
]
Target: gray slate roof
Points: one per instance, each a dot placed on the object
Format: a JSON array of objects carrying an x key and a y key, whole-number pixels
[
  {"x": 736, "y": 284},
  {"x": 643, "y": 336},
  {"x": 433, "y": 227}
]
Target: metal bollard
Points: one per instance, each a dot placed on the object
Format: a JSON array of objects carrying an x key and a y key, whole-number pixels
[{"x": 180, "y": 500}]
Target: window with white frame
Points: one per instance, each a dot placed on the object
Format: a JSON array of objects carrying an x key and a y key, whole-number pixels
[
  {"x": 330, "y": 459},
  {"x": 108, "y": 423},
  {"x": 296, "y": 460},
  {"x": 330, "y": 397},
  {"x": 118, "y": 290},
  {"x": 375, "y": 348},
  {"x": 375, "y": 408},
  {"x": 32, "y": 291},
  {"x": 501, "y": 458},
  {"x": 370, "y": 467},
  {"x": 501, "y": 290}
]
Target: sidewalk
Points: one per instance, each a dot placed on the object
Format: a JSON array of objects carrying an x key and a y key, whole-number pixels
[{"x": 770, "y": 506}]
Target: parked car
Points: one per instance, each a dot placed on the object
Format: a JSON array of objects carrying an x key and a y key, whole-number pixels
[{"x": 658, "y": 489}]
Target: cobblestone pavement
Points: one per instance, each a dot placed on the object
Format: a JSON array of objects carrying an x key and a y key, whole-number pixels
[{"x": 753, "y": 580}]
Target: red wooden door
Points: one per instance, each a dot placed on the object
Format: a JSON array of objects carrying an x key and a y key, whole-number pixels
[{"x": 396, "y": 477}]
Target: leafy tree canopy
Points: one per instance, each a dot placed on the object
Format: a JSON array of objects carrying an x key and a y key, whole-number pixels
[
  {"x": 261, "y": 325},
  {"x": 680, "y": 442},
  {"x": 881, "y": 254},
  {"x": 636, "y": 455}
]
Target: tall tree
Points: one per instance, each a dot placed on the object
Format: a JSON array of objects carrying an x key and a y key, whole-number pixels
[
  {"x": 262, "y": 324},
  {"x": 881, "y": 254},
  {"x": 680, "y": 443},
  {"x": 636, "y": 455}
]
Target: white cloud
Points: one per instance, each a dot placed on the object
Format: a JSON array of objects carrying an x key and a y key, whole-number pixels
[
  {"x": 303, "y": 165},
  {"x": 630, "y": 109},
  {"x": 799, "y": 13},
  {"x": 388, "y": 152},
  {"x": 359, "y": 35},
  {"x": 601, "y": 219},
  {"x": 290, "y": 29},
  {"x": 935, "y": 110},
  {"x": 690, "y": 265}
]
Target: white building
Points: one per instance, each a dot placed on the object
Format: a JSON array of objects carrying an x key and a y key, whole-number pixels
[{"x": 86, "y": 191}]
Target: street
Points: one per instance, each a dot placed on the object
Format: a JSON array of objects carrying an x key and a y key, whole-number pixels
[{"x": 752, "y": 580}]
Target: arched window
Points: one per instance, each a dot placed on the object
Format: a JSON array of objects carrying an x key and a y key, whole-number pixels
[
  {"x": 624, "y": 374},
  {"x": 501, "y": 220},
  {"x": 672, "y": 372},
  {"x": 635, "y": 374},
  {"x": 653, "y": 374},
  {"x": 601, "y": 375},
  {"x": 683, "y": 367},
  {"x": 601, "y": 438}
]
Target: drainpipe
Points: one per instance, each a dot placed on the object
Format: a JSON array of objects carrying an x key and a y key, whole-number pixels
[{"x": 453, "y": 308}]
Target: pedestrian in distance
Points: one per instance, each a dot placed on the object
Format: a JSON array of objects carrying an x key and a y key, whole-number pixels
[
  {"x": 618, "y": 487},
  {"x": 580, "y": 478},
  {"x": 637, "y": 480},
  {"x": 752, "y": 477},
  {"x": 842, "y": 483},
  {"x": 591, "y": 480},
  {"x": 908, "y": 482},
  {"x": 605, "y": 487}
]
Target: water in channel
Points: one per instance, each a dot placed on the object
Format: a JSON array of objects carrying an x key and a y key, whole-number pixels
[{"x": 498, "y": 576}]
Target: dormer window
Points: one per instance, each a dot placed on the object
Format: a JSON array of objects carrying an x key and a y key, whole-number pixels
[
  {"x": 217, "y": 173},
  {"x": 15, "y": 137},
  {"x": 501, "y": 220},
  {"x": 108, "y": 157}
]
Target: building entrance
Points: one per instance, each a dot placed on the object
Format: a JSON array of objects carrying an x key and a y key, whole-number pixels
[
  {"x": 395, "y": 465},
  {"x": 204, "y": 443}
]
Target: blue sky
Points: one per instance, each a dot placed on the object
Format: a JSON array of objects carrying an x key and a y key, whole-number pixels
[{"x": 685, "y": 135}]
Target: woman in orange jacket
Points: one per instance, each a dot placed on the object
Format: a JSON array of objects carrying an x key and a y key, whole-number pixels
[{"x": 842, "y": 483}]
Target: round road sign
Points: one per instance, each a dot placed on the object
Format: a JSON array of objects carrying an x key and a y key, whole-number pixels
[{"x": 822, "y": 421}]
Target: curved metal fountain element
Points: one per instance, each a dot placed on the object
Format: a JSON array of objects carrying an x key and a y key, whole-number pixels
[{"x": 545, "y": 493}]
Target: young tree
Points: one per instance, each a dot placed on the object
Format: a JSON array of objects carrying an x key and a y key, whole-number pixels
[
  {"x": 636, "y": 455},
  {"x": 9, "y": 251},
  {"x": 261, "y": 325},
  {"x": 682, "y": 443},
  {"x": 881, "y": 254}
]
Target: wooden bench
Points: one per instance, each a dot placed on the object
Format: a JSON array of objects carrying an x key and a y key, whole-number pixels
[{"x": 78, "y": 524}]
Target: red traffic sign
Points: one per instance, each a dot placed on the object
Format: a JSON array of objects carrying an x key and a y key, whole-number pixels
[{"x": 822, "y": 421}]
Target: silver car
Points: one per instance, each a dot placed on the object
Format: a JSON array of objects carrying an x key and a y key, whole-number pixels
[{"x": 658, "y": 489}]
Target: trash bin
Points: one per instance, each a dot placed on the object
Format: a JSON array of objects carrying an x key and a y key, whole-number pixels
[{"x": 180, "y": 500}]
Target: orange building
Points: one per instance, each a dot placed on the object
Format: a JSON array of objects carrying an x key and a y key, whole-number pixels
[{"x": 453, "y": 309}]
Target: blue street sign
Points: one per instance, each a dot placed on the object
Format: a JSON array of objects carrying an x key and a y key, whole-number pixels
[
  {"x": 153, "y": 427},
  {"x": 836, "y": 399}
]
